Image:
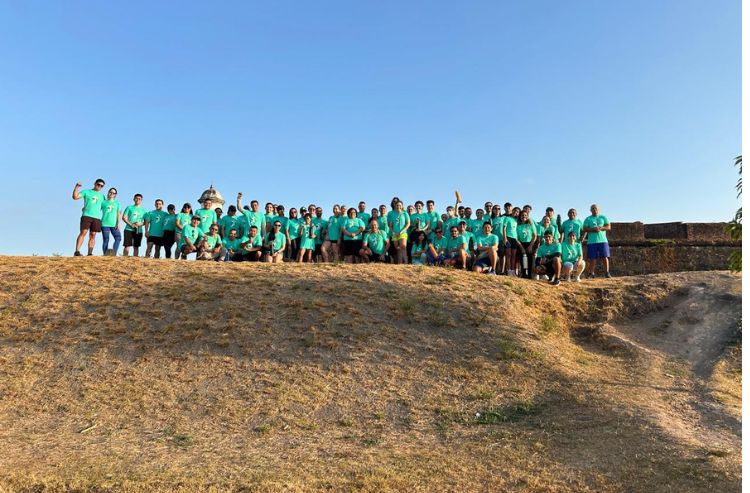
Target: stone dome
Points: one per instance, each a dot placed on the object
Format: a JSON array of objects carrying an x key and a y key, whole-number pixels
[{"x": 216, "y": 199}]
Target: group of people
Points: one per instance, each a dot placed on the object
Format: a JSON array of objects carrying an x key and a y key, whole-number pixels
[{"x": 494, "y": 239}]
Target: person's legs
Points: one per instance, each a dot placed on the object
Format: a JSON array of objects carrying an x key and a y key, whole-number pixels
[
  {"x": 402, "y": 250},
  {"x": 325, "y": 250},
  {"x": 149, "y": 247},
  {"x": 493, "y": 259},
  {"x": 579, "y": 268},
  {"x": 79, "y": 240},
  {"x": 92, "y": 241},
  {"x": 566, "y": 271},
  {"x": 137, "y": 238},
  {"x": 105, "y": 239}
]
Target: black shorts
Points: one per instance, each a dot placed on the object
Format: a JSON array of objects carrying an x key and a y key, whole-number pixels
[
  {"x": 318, "y": 249},
  {"x": 482, "y": 262},
  {"x": 375, "y": 257},
  {"x": 132, "y": 239},
  {"x": 168, "y": 239},
  {"x": 351, "y": 247},
  {"x": 91, "y": 224},
  {"x": 156, "y": 240}
]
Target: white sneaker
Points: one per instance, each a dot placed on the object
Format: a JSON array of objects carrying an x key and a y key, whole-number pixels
[
  {"x": 578, "y": 278},
  {"x": 536, "y": 277}
]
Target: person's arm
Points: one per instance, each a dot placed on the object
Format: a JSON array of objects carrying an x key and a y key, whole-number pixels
[
  {"x": 147, "y": 223},
  {"x": 126, "y": 220},
  {"x": 239, "y": 202},
  {"x": 119, "y": 217},
  {"x": 406, "y": 227},
  {"x": 77, "y": 195}
]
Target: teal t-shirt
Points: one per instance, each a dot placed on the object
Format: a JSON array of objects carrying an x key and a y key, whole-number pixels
[
  {"x": 184, "y": 219},
  {"x": 208, "y": 217},
  {"x": 433, "y": 219},
  {"x": 469, "y": 237},
  {"x": 574, "y": 225},
  {"x": 376, "y": 241},
  {"x": 483, "y": 240},
  {"x": 454, "y": 244},
  {"x": 156, "y": 222},
  {"x": 398, "y": 222},
  {"x": 511, "y": 227},
  {"x": 440, "y": 244},
  {"x": 191, "y": 233},
  {"x": 212, "y": 241},
  {"x": 526, "y": 232},
  {"x": 134, "y": 214},
  {"x": 334, "y": 228},
  {"x": 169, "y": 222},
  {"x": 110, "y": 208},
  {"x": 319, "y": 223},
  {"x": 255, "y": 241},
  {"x": 592, "y": 222},
  {"x": 229, "y": 223},
  {"x": 552, "y": 228},
  {"x": 497, "y": 225},
  {"x": 282, "y": 219},
  {"x": 92, "y": 203},
  {"x": 365, "y": 217},
  {"x": 571, "y": 253},
  {"x": 545, "y": 249},
  {"x": 278, "y": 242},
  {"x": 294, "y": 226},
  {"x": 234, "y": 245},
  {"x": 257, "y": 219},
  {"x": 423, "y": 223},
  {"x": 383, "y": 225},
  {"x": 352, "y": 225},
  {"x": 449, "y": 223}
]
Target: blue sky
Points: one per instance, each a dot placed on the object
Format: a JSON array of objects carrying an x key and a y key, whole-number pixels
[{"x": 632, "y": 105}]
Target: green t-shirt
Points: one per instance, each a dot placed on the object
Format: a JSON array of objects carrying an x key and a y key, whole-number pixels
[
  {"x": 319, "y": 224},
  {"x": 334, "y": 228},
  {"x": 497, "y": 225},
  {"x": 208, "y": 217},
  {"x": 552, "y": 228},
  {"x": 255, "y": 241},
  {"x": 191, "y": 233},
  {"x": 184, "y": 219},
  {"x": 574, "y": 225},
  {"x": 169, "y": 222},
  {"x": 365, "y": 217},
  {"x": 212, "y": 241},
  {"x": 383, "y": 225},
  {"x": 592, "y": 222},
  {"x": 294, "y": 226},
  {"x": 423, "y": 221},
  {"x": 234, "y": 245},
  {"x": 92, "y": 203},
  {"x": 228, "y": 223},
  {"x": 376, "y": 241},
  {"x": 511, "y": 227},
  {"x": 440, "y": 244},
  {"x": 156, "y": 221},
  {"x": 526, "y": 232},
  {"x": 483, "y": 240},
  {"x": 433, "y": 219},
  {"x": 571, "y": 253},
  {"x": 282, "y": 219},
  {"x": 398, "y": 222},
  {"x": 545, "y": 249},
  {"x": 111, "y": 209},
  {"x": 352, "y": 225},
  {"x": 469, "y": 237},
  {"x": 256, "y": 219},
  {"x": 454, "y": 244},
  {"x": 134, "y": 214},
  {"x": 449, "y": 223},
  {"x": 278, "y": 242}
]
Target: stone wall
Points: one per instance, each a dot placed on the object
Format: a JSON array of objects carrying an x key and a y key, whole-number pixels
[{"x": 639, "y": 248}]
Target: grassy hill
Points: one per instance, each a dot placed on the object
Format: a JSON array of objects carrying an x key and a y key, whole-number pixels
[{"x": 134, "y": 375}]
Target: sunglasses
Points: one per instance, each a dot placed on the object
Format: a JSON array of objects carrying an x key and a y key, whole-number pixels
[
  {"x": 98, "y": 184},
  {"x": 277, "y": 225}
]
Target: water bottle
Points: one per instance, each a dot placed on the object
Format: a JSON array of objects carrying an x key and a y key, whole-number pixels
[{"x": 525, "y": 262}]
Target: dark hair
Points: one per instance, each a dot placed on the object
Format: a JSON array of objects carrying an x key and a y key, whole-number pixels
[
  {"x": 419, "y": 202},
  {"x": 527, "y": 206},
  {"x": 307, "y": 216},
  {"x": 351, "y": 209},
  {"x": 232, "y": 209},
  {"x": 170, "y": 207},
  {"x": 187, "y": 205},
  {"x": 549, "y": 209},
  {"x": 158, "y": 200},
  {"x": 430, "y": 202},
  {"x": 422, "y": 244},
  {"x": 100, "y": 180},
  {"x": 111, "y": 189},
  {"x": 507, "y": 204},
  {"x": 137, "y": 195},
  {"x": 195, "y": 217}
]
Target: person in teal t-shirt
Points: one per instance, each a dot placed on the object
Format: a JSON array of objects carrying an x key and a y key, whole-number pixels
[
  {"x": 572, "y": 258},
  {"x": 134, "y": 217},
  {"x": 211, "y": 247},
  {"x": 486, "y": 244},
  {"x": 91, "y": 217},
  {"x": 351, "y": 235},
  {"x": 419, "y": 248},
  {"x": 155, "y": 221},
  {"x": 375, "y": 243},
  {"x": 308, "y": 234},
  {"x": 597, "y": 246},
  {"x": 437, "y": 247},
  {"x": 207, "y": 215},
  {"x": 456, "y": 249},
  {"x": 399, "y": 223},
  {"x": 252, "y": 245},
  {"x": 548, "y": 258},
  {"x": 330, "y": 250},
  {"x": 572, "y": 224},
  {"x": 362, "y": 214},
  {"x": 229, "y": 222},
  {"x": 169, "y": 230},
  {"x": 253, "y": 217},
  {"x": 291, "y": 230},
  {"x": 232, "y": 247},
  {"x": 111, "y": 216},
  {"x": 274, "y": 244},
  {"x": 433, "y": 219},
  {"x": 190, "y": 240}
]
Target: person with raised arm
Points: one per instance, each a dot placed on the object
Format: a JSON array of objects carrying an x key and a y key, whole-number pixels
[
  {"x": 91, "y": 217},
  {"x": 253, "y": 216}
]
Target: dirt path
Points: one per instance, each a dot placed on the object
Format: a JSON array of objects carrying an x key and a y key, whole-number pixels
[{"x": 677, "y": 348}]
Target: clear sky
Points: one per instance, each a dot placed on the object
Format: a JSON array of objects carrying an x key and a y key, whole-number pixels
[{"x": 633, "y": 105}]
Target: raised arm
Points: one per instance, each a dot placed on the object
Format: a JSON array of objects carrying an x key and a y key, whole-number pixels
[
  {"x": 77, "y": 195},
  {"x": 239, "y": 201}
]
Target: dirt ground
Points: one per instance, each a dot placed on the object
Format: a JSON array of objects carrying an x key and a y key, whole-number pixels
[{"x": 136, "y": 375}]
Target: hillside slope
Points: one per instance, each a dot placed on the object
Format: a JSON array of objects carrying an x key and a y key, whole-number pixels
[{"x": 135, "y": 375}]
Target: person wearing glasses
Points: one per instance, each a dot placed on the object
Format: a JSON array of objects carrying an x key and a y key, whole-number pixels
[
  {"x": 191, "y": 237},
  {"x": 91, "y": 219},
  {"x": 374, "y": 244},
  {"x": 252, "y": 246},
  {"x": 112, "y": 213},
  {"x": 134, "y": 217},
  {"x": 169, "y": 230},
  {"x": 351, "y": 235},
  {"x": 308, "y": 232},
  {"x": 211, "y": 247},
  {"x": 274, "y": 244}
]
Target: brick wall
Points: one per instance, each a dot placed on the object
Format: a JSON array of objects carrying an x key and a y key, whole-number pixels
[{"x": 635, "y": 260}]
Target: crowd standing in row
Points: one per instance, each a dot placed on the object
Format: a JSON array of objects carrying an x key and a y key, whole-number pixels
[{"x": 497, "y": 240}]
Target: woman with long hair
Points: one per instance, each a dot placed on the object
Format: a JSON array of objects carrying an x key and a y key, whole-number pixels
[
  {"x": 308, "y": 233},
  {"x": 351, "y": 235},
  {"x": 399, "y": 223},
  {"x": 183, "y": 219},
  {"x": 419, "y": 249},
  {"x": 274, "y": 244},
  {"x": 292, "y": 235}
]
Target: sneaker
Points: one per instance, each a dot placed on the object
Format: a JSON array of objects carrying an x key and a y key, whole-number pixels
[
  {"x": 110, "y": 253},
  {"x": 555, "y": 281},
  {"x": 77, "y": 254},
  {"x": 577, "y": 279},
  {"x": 566, "y": 279},
  {"x": 491, "y": 271},
  {"x": 607, "y": 275},
  {"x": 536, "y": 277}
]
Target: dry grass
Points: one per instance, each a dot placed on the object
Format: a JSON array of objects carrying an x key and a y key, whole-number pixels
[{"x": 134, "y": 375}]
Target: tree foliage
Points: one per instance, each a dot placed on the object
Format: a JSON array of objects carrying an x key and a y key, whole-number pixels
[{"x": 735, "y": 226}]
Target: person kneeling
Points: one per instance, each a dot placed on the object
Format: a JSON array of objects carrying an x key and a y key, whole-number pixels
[
  {"x": 548, "y": 259},
  {"x": 211, "y": 247},
  {"x": 274, "y": 245},
  {"x": 191, "y": 237},
  {"x": 572, "y": 258}
]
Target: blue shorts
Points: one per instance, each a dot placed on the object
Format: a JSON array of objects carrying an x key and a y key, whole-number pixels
[
  {"x": 482, "y": 262},
  {"x": 597, "y": 250}
]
